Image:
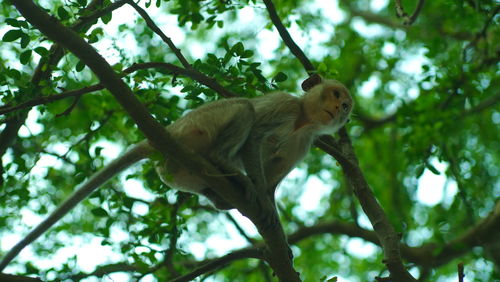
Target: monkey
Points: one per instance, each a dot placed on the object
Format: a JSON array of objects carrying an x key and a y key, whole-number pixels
[
  {"x": 288, "y": 125},
  {"x": 264, "y": 137},
  {"x": 215, "y": 130}
]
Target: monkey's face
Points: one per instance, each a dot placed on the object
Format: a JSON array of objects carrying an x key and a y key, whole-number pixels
[{"x": 329, "y": 105}]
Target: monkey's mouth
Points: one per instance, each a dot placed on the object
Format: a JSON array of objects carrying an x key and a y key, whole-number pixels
[{"x": 330, "y": 113}]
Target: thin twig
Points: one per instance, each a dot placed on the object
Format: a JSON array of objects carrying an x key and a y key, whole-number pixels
[
  {"x": 239, "y": 228},
  {"x": 220, "y": 263},
  {"x": 90, "y": 133},
  {"x": 400, "y": 12},
  {"x": 151, "y": 24},
  {"x": 461, "y": 275},
  {"x": 192, "y": 73},
  {"x": 415, "y": 14}
]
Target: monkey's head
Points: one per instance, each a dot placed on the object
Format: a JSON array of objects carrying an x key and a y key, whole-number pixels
[{"x": 327, "y": 103}]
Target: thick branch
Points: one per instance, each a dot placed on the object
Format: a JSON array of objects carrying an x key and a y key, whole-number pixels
[
  {"x": 277, "y": 255},
  {"x": 381, "y": 224},
  {"x": 347, "y": 158}
]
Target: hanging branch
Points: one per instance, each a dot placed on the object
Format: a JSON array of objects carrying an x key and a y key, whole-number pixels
[
  {"x": 400, "y": 12},
  {"x": 277, "y": 250},
  {"x": 294, "y": 48},
  {"x": 346, "y": 156}
]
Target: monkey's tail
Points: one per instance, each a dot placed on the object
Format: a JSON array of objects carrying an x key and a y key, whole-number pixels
[{"x": 136, "y": 153}]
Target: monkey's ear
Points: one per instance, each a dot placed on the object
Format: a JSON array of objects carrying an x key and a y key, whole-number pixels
[{"x": 311, "y": 81}]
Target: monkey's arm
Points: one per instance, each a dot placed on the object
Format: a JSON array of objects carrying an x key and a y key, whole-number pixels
[
  {"x": 276, "y": 116},
  {"x": 136, "y": 153}
]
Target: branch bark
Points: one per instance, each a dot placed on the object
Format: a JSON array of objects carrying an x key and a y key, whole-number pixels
[
  {"x": 44, "y": 69},
  {"x": 348, "y": 160},
  {"x": 150, "y": 23},
  {"x": 400, "y": 12},
  {"x": 191, "y": 73},
  {"x": 428, "y": 255},
  {"x": 294, "y": 48},
  {"x": 277, "y": 250}
]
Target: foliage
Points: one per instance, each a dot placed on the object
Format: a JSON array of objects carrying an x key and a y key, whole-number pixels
[{"x": 426, "y": 103}]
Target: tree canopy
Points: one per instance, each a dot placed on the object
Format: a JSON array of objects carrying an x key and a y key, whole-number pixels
[{"x": 409, "y": 188}]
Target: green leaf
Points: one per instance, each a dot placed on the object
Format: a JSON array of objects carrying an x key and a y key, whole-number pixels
[
  {"x": 79, "y": 66},
  {"x": 42, "y": 51},
  {"x": 432, "y": 169},
  {"x": 25, "y": 40},
  {"x": 13, "y": 22},
  {"x": 62, "y": 13},
  {"x": 106, "y": 18},
  {"x": 15, "y": 74},
  {"x": 12, "y": 35},
  {"x": 98, "y": 150},
  {"x": 247, "y": 54},
  {"x": 100, "y": 212},
  {"x": 419, "y": 170},
  {"x": 25, "y": 56},
  {"x": 82, "y": 3},
  {"x": 238, "y": 48},
  {"x": 280, "y": 77}
]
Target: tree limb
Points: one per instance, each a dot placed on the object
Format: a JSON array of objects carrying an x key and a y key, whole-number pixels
[
  {"x": 428, "y": 255},
  {"x": 400, "y": 12},
  {"x": 191, "y": 73},
  {"x": 150, "y": 23},
  {"x": 44, "y": 69},
  {"x": 277, "y": 250},
  {"x": 294, "y": 48},
  {"x": 348, "y": 160}
]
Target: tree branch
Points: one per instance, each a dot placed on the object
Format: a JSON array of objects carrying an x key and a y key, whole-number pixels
[
  {"x": 220, "y": 263},
  {"x": 191, "y": 73},
  {"x": 277, "y": 250},
  {"x": 44, "y": 69},
  {"x": 18, "y": 278},
  {"x": 400, "y": 12},
  {"x": 427, "y": 255},
  {"x": 150, "y": 23},
  {"x": 348, "y": 160},
  {"x": 294, "y": 48}
]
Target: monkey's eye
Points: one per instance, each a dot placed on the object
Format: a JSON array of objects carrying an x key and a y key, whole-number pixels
[
  {"x": 336, "y": 93},
  {"x": 345, "y": 106}
]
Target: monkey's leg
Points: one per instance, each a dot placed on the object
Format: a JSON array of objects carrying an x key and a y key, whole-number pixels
[
  {"x": 216, "y": 200},
  {"x": 253, "y": 163},
  {"x": 233, "y": 136},
  {"x": 228, "y": 145}
]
